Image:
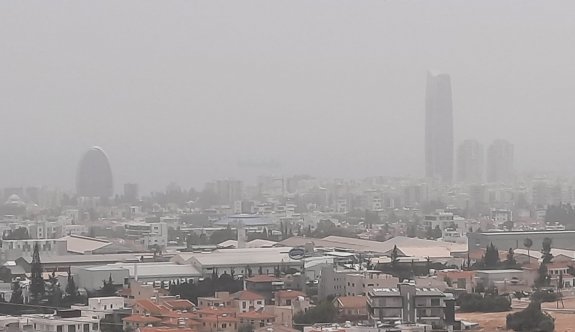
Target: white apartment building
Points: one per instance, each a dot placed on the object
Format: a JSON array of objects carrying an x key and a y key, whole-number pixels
[
  {"x": 63, "y": 321},
  {"x": 101, "y": 306},
  {"x": 148, "y": 234},
  {"x": 351, "y": 282}
]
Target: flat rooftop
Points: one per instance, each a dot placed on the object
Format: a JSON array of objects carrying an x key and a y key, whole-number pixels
[
  {"x": 546, "y": 232},
  {"x": 158, "y": 270}
]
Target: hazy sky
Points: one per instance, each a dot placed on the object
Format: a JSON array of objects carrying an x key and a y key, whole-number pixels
[{"x": 183, "y": 90}]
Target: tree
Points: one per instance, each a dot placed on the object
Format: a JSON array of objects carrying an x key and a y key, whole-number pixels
[
  {"x": 5, "y": 274},
  {"x": 531, "y": 318},
  {"x": 17, "y": 297},
  {"x": 14, "y": 307},
  {"x": 37, "y": 285},
  {"x": 429, "y": 233},
  {"x": 249, "y": 271},
  {"x": 246, "y": 328},
  {"x": 546, "y": 251},
  {"x": 20, "y": 233},
  {"x": 491, "y": 259},
  {"x": 54, "y": 293},
  {"x": 71, "y": 289},
  {"x": 528, "y": 243},
  {"x": 220, "y": 236},
  {"x": 546, "y": 258},
  {"x": 437, "y": 232},
  {"x": 324, "y": 312},
  {"x": 510, "y": 262},
  {"x": 411, "y": 231},
  {"x": 108, "y": 289},
  {"x": 489, "y": 302},
  {"x": 394, "y": 258}
]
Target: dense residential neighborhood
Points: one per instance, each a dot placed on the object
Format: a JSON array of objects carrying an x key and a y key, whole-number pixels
[
  {"x": 287, "y": 166},
  {"x": 346, "y": 255}
]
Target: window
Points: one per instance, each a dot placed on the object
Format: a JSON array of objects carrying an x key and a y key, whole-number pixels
[
  {"x": 86, "y": 327},
  {"x": 435, "y": 302},
  {"x": 59, "y": 328},
  {"x": 244, "y": 304},
  {"x": 224, "y": 325},
  {"x": 288, "y": 302},
  {"x": 95, "y": 326}
]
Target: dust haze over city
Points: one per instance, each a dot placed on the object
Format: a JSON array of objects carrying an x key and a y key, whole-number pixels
[
  {"x": 193, "y": 91},
  {"x": 287, "y": 166}
]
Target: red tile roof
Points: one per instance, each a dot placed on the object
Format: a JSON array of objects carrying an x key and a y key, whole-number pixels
[
  {"x": 216, "y": 311},
  {"x": 165, "y": 329},
  {"x": 247, "y": 296},
  {"x": 352, "y": 302},
  {"x": 150, "y": 307},
  {"x": 559, "y": 265},
  {"x": 179, "y": 304},
  {"x": 218, "y": 318},
  {"x": 142, "y": 319},
  {"x": 255, "y": 315},
  {"x": 289, "y": 294}
]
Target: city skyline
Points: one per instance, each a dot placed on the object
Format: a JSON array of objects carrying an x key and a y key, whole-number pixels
[{"x": 192, "y": 97}]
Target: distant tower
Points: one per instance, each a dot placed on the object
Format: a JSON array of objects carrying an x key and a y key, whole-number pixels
[
  {"x": 94, "y": 177},
  {"x": 500, "y": 162},
  {"x": 470, "y": 162},
  {"x": 131, "y": 192},
  {"x": 438, "y": 127}
]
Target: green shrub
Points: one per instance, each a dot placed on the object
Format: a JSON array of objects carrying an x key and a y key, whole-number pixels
[
  {"x": 545, "y": 296},
  {"x": 488, "y": 303},
  {"x": 531, "y": 319}
]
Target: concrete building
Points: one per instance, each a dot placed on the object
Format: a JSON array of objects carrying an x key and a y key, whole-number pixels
[
  {"x": 500, "y": 158},
  {"x": 504, "y": 280},
  {"x": 47, "y": 247},
  {"x": 101, "y": 306},
  {"x": 351, "y": 308},
  {"x": 155, "y": 272},
  {"x": 148, "y": 234},
  {"x": 246, "y": 300},
  {"x": 438, "y": 127},
  {"x": 410, "y": 304},
  {"x": 241, "y": 261},
  {"x": 351, "y": 282},
  {"x": 265, "y": 285},
  {"x": 470, "y": 162},
  {"x": 62, "y": 321},
  {"x": 91, "y": 277}
]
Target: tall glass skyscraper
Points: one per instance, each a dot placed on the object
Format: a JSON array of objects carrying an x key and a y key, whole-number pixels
[
  {"x": 438, "y": 127},
  {"x": 94, "y": 177}
]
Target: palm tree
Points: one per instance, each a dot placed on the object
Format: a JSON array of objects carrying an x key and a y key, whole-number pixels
[{"x": 528, "y": 243}]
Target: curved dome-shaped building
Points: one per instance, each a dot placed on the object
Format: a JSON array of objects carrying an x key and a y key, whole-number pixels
[{"x": 94, "y": 177}]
